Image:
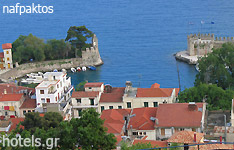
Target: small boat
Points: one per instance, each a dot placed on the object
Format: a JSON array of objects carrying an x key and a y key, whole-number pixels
[
  {"x": 197, "y": 67},
  {"x": 78, "y": 69},
  {"x": 64, "y": 70},
  {"x": 84, "y": 68},
  {"x": 73, "y": 70},
  {"x": 55, "y": 70},
  {"x": 92, "y": 68}
]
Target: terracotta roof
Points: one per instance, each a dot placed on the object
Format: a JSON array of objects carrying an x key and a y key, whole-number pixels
[
  {"x": 1, "y": 55},
  {"x": 186, "y": 137},
  {"x": 169, "y": 115},
  {"x": 93, "y": 84},
  {"x": 155, "y": 85},
  {"x": 114, "y": 119},
  {"x": 41, "y": 115},
  {"x": 14, "y": 122},
  {"x": 154, "y": 92},
  {"x": 11, "y": 97},
  {"x": 141, "y": 120},
  {"x": 12, "y": 88},
  {"x": 29, "y": 103},
  {"x": 116, "y": 95},
  {"x": 221, "y": 129},
  {"x": 213, "y": 146},
  {"x": 7, "y": 46},
  {"x": 118, "y": 138},
  {"x": 80, "y": 94},
  {"x": 153, "y": 143},
  {"x": 177, "y": 90}
]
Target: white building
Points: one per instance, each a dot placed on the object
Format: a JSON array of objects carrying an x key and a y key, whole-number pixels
[
  {"x": 86, "y": 99},
  {"x": 54, "y": 89},
  {"x": 6, "y": 57}
]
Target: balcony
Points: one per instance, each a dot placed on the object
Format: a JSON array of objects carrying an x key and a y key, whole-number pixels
[{"x": 67, "y": 89}]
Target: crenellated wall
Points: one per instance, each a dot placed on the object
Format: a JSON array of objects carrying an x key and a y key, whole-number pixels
[{"x": 201, "y": 44}]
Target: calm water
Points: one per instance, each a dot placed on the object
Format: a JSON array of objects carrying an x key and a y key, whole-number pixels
[{"x": 137, "y": 38}]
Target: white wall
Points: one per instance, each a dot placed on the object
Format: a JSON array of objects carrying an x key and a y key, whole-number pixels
[{"x": 106, "y": 105}]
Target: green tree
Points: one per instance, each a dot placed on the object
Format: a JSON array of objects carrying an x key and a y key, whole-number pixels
[
  {"x": 78, "y": 36},
  {"x": 33, "y": 121},
  {"x": 216, "y": 97},
  {"x": 217, "y": 67},
  {"x": 80, "y": 86}
]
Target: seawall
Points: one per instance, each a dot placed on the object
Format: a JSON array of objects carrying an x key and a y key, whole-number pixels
[{"x": 44, "y": 66}]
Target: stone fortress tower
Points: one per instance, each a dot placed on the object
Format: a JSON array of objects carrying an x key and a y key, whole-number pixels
[
  {"x": 92, "y": 54},
  {"x": 201, "y": 44}
]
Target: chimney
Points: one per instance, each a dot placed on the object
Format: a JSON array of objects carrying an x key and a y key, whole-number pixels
[
  {"x": 128, "y": 86},
  {"x": 192, "y": 106},
  {"x": 5, "y": 91},
  {"x": 195, "y": 137},
  {"x": 108, "y": 88}
]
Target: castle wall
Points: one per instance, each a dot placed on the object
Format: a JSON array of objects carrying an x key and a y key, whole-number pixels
[{"x": 201, "y": 44}]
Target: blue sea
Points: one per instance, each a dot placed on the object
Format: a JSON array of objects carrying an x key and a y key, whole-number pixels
[{"x": 137, "y": 38}]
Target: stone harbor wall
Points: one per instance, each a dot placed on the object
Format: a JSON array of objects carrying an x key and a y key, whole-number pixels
[{"x": 90, "y": 57}]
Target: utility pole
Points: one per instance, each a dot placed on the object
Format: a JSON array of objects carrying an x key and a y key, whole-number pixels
[
  {"x": 225, "y": 125},
  {"x": 178, "y": 75}
]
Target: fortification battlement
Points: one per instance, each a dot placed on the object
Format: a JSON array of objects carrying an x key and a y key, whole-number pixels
[
  {"x": 201, "y": 36},
  {"x": 91, "y": 50},
  {"x": 193, "y": 37}
]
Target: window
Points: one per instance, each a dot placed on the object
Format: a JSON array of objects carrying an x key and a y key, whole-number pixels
[
  {"x": 33, "y": 110},
  {"x": 8, "y": 58},
  {"x": 5, "y": 113},
  {"x": 181, "y": 129},
  {"x": 41, "y": 91},
  {"x": 57, "y": 85},
  {"x": 91, "y": 101},
  {"x": 29, "y": 111},
  {"x": 140, "y": 133},
  {"x": 144, "y": 133},
  {"x": 48, "y": 100},
  {"x": 7, "y": 52},
  {"x": 129, "y": 105},
  {"x": 79, "y": 112},
  {"x": 90, "y": 88},
  {"x": 163, "y": 131},
  {"x": 78, "y": 100},
  {"x": 134, "y": 133},
  {"x": 24, "y": 112},
  {"x": 193, "y": 129},
  {"x": 119, "y": 107},
  {"x": 155, "y": 104},
  {"x": 146, "y": 104},
  {"x": 56, "y": 98},
  {"x": 102, "y": 108},
  {"x": 110, "y": 107},
  {"x": 43, "y": 100}
]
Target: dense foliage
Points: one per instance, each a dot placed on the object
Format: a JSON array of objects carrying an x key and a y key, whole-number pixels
[
  {"x": 80, "y": 86},
  {"x": 217, "y": 67},
  {"x": 84, "y": 133},
  {"x": 78, "y": 37},
  {"x": 31, "y": 48},
  {"x": 216, "y": 97}
]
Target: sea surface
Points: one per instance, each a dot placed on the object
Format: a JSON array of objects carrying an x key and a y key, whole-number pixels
[{"x": 137, "y": 38}]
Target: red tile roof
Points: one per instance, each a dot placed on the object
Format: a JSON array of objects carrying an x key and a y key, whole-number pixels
[
  {"x": 116, "y": 95},
  {"x": 141, "y": 120},
  {"x": 186, "y": 137},
  {"x": 169, "y": 115},
  {"x": 29, "y": 103},
  {"x": 1, "y": 55},
  {"x": 153, "y": 143},
  {"x": 11, "y": 97},
  {"x": 118, "y": 138},
  {"x": 154, "y": 92},
  {"x": 14, "y": 122},
  {"x": 114, "y": 119},
  {"x": 80, "y": 94},
  {"x": 7, "y": 46},
  {"x": 12, "y": 88},
  {"x": 93, "y": 84}
]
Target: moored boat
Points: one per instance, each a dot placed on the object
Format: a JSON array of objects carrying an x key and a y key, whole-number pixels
[
  {"x": 84, "y": 68},
  {"x": 73, "y": 70},
  {"x": 92, "y": 68},
  {"x": 78, "y": 69}
]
